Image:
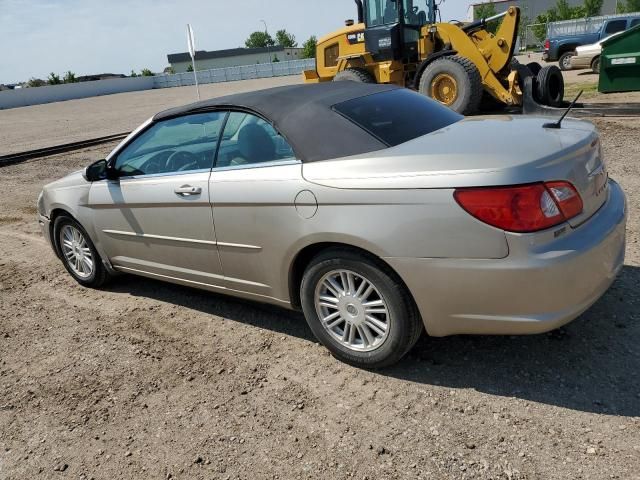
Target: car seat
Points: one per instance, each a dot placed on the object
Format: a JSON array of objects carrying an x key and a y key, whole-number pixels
[{"x": 255, "y": 145}]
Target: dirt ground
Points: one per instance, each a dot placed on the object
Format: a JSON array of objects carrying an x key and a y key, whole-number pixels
[
  {"x": 41, "y": 126},
  {"x": 149, "y": 380}
]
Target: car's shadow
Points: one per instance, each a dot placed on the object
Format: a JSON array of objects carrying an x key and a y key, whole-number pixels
[{"x": 591, "y": 365}]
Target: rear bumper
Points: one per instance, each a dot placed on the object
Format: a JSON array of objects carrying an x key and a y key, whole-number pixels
[{"x": 532, "y": 291}]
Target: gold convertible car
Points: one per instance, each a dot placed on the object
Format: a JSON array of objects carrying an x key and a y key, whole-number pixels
[{"x": 372, "y": 208}]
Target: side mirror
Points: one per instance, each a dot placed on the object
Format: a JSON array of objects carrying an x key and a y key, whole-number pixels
[
  {"x": 96, "y": 171},
  {"x": 99, "y": 171}
]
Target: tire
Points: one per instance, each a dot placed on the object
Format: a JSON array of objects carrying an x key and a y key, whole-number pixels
[
  {"x": 369, "y": 348},
  {"x": 355, "y": 75},
  {"x": 534, "y": 67},
  {"x": 595, "y": 64},
  {"x": 564, "y": 62},
  {"x": 98, "y": 275},
  {"x": 550, "y": 86},
  {"x": 467, "y": 79}
]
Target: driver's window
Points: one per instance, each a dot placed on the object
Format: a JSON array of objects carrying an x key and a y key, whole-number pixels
[
  {"x": 381, "y": 12},
  {"x": 178, "y": 145}
]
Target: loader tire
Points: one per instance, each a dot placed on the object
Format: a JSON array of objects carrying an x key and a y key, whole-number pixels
[
  {"x": 534, "y": 67},
  {"x": 458, "y": 72},
  {"x": 355, "y": 75},
  {"x": 550, "y": 86}
]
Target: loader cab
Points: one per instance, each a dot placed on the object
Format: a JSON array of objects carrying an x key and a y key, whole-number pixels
[{"x": 392, "y": 28}]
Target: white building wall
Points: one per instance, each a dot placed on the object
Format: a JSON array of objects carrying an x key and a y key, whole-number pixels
[{"x": 285, "y": 55}]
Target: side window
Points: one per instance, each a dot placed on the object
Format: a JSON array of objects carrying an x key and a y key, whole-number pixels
[
  {"x": 249, "y": 140},
  {"x": 615, "y": 26},
  {"x": 178, "y": 145},
  {"x": 635, "y": 22}
]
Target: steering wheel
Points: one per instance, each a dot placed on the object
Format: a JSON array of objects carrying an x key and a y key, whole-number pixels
[
  {"x": 181, "y": 161},
  {"x": 156, "y": 164}
]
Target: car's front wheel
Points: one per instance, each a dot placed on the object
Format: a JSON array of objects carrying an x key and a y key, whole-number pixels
[
  {"x": 358, "y": 309},
  {"x": 78, "y": 254},
  {"x": 564, "y": 62}
]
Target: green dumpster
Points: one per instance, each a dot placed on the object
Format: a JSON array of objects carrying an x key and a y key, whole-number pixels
[{"x": 620, "y": 62}]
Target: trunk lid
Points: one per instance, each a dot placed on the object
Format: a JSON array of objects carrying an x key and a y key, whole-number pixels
[{"x": 480, "y": 152}]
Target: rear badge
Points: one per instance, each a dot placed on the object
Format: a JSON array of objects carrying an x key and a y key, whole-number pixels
[{"x": 562, "y": 231}]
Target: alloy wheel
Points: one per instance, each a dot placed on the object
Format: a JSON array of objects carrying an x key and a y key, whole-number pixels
[
  {"x": 352, "y": 310},
  {"x": 76, "y": 251}
]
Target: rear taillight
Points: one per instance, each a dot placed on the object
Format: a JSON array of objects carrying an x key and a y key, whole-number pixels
[
  {"x": 547, "y": 44},
  {"x": 526, "y": 208}
]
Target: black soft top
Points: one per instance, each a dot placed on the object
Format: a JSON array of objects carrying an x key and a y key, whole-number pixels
[{"x": 303, "y": 115}]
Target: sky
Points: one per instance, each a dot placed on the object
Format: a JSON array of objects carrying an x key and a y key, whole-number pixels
[{"x": 115, "y": 36}]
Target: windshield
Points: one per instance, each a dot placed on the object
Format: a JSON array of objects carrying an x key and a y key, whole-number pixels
[
  {"x": 385, "y": 12},
  {"x": 397, "y": 116}
]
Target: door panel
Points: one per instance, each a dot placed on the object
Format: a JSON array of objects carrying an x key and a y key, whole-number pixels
[
  {"x": 253, "y": 188},
  {"x": 156, "y": 218},
  {"x": 145, "y": 225},
  {"x": 256, "y": 223}
]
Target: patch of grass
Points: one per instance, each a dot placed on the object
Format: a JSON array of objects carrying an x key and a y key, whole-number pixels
[
  {"x": 6, "y": 220},
  {"x": 572, "y": 89},
  {"x": 30, "y": 210}
]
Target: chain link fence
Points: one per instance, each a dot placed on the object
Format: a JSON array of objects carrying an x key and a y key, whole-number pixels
[{"x": 231, "y": 74}]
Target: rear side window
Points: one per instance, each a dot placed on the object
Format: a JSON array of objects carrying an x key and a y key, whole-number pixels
[
  {"x": 634, "y": 22},
  {"x": 397, "y": 116},
  {"x": 615, "y": 26}
]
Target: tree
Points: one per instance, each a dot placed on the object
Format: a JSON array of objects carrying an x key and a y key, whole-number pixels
[
  {"x": 487, "y": 10},
  {"x": 593, "y": 7},
  {"x": 190, "y": 68},
  {"x": 567, "y": 12},
  {"x": 259, "y": 40},
  {"x": 54, "y": 79},
  {"x": 36, "y": 82},
  {"x": 562, "y": 11},
  {"x": 630, "y": 6},
  {"x": 309, "y": 47},
  {"x": 145, "y": 72},
  {"x": 133, "y": 74},
  {"x": 70, "y": 77},
  {"x": 286, "y": 39}
]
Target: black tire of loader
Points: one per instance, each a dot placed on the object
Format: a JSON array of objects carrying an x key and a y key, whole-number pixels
[
  {"x": 355, "y": 74},
  {"x": 467, "y": 76},
  {"x": 550, "y": 86}
]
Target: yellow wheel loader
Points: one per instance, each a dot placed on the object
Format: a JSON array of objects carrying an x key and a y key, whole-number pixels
[{"x": 457, "y": 64}]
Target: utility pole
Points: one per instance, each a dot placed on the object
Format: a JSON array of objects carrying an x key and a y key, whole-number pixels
[
  {"x": 192, "y": 51},
  {"x": 266, "y": 31}
]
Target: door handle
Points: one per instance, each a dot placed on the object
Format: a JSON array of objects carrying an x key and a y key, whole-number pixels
[{"x": 187, "y": 190}]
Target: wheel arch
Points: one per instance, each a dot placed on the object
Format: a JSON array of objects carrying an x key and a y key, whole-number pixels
[
  {"x": 304, "y": 257},
  {"x": 55, "y": 213},
  {"x": 566, "y": 48}
]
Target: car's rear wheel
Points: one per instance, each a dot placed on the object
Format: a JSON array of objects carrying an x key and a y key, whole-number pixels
[
  {"x": 358, "y": 309},
  {"x": 595, "y": 64},
  {"x": 78, "y": 253}
]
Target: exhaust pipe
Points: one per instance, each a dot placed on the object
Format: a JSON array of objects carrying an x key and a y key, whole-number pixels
[{"x": 360, "y": 11}]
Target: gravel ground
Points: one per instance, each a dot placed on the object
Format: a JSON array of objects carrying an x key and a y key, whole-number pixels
[{"x": 149, "y": 380}]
